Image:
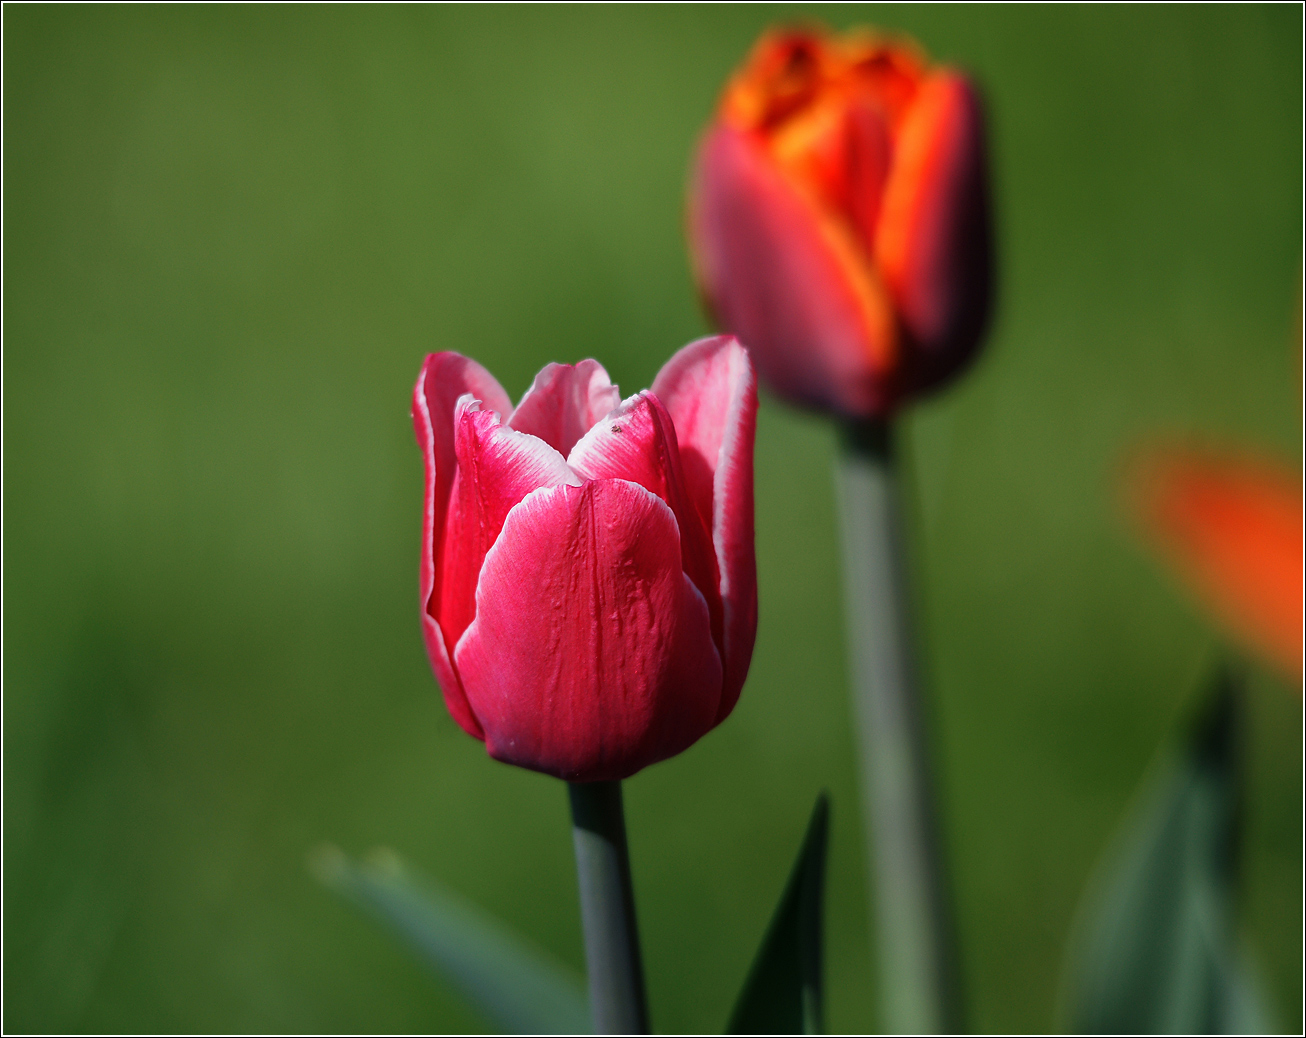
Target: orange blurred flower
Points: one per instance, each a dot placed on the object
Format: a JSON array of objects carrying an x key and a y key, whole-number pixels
[
  {"x": 1231, "y": 525},
  {"x": 839, "y": 218}
]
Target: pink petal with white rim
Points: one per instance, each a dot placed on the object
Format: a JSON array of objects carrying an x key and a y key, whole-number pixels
[
  {"x": 497, "y": 467},
  {"x": 710, "y": 391},
  {"x": 637, "y": 442},
  {"x": 590, "y": 656},
  {"x": 564, "y": 402},
  {"x": 443, "y": 379}
]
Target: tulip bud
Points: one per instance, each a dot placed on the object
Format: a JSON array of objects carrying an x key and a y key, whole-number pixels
[
  {"x": 588, "y": 584},
  {"x": 839, "y": 220}
]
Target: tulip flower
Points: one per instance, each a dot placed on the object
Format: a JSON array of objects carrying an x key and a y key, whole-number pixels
[
  {"x": 838, "y": 219},
  {"x": 588, "y": 584},
  {"x": 1232, "y": 528},
  {"x": 839, "y": 225}
]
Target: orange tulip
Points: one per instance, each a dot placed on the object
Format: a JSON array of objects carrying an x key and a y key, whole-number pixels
[
  {"x": 1232, "y": 527},
  {"x": 839, "y": 221}
]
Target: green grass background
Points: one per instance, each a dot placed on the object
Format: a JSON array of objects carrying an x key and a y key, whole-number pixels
[{"x": 229, "y": 238}]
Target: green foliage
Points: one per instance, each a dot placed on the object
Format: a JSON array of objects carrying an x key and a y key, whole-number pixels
[
  {"x": 518, "y": 988},
  {"x": 1157, "y": 952},
  {"x": 784, "y": 992}
]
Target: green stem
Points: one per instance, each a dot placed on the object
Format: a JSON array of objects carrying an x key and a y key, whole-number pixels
[
  {"x": 607, "y": 909},
  {"x": 913, "y": 927}
]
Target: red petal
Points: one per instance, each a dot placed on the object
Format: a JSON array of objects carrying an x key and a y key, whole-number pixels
[
  {"x": 932, "y": 243},
  {"x": 1233, "y": 529},
  {"x": 564, "y": 402},
  {"x": 867, "y": 151},
  {"x": 443, "y": 379},
  {"x": 710, "y": 391},
  {"x": 497, "y": 467},
  {"x": 637, "y": 442},
  {"x": 591, "y": 655},
  {"x": 789, "y": 279}
]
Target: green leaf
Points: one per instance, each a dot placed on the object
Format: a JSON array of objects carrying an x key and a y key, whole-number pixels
[
  {"x": 783, "y": 992},
  {"x": 1154, "y": 949},
  {"x": 519, "y": 989}
]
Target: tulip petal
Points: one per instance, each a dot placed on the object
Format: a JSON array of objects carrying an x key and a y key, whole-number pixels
[
  {"x": 1232, "y": 527},
  {"x": 868, "y": 155},
  {"x": 710, "y": 391},
  {"x": 443, "y": 379},
  {"x": 789, "y": 279},
  {"x": 637, "y": 442},
  {"x": 564, "y": 402},
  {"x": 591, "y": 654},
  {"x": 497, "y": 467},
  {"x": 932, "y": 243}
]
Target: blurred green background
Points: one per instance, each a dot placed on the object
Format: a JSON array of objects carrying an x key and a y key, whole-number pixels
[{"x": 229, "y": 238}]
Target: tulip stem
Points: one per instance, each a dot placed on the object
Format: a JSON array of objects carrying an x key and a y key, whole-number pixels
[
  {"x": 910, "y": 905},
  {"x": 607, "y": 909}
]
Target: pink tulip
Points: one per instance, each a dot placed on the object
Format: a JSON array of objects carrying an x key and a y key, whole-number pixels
[
  {"x": 839, "y": 221},
  {"x": 589, "y": 591}
]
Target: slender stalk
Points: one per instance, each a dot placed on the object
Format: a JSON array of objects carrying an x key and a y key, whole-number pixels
[
  {"x": 913, "y": 927},
  {"x": 607, "y": 909}
]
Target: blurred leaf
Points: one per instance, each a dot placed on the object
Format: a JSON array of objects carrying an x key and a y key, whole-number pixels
[
  {"x": 783, "y": 992},
  {"x": 1155, "y": 950},
  {"x": 515, "y": 986}
]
